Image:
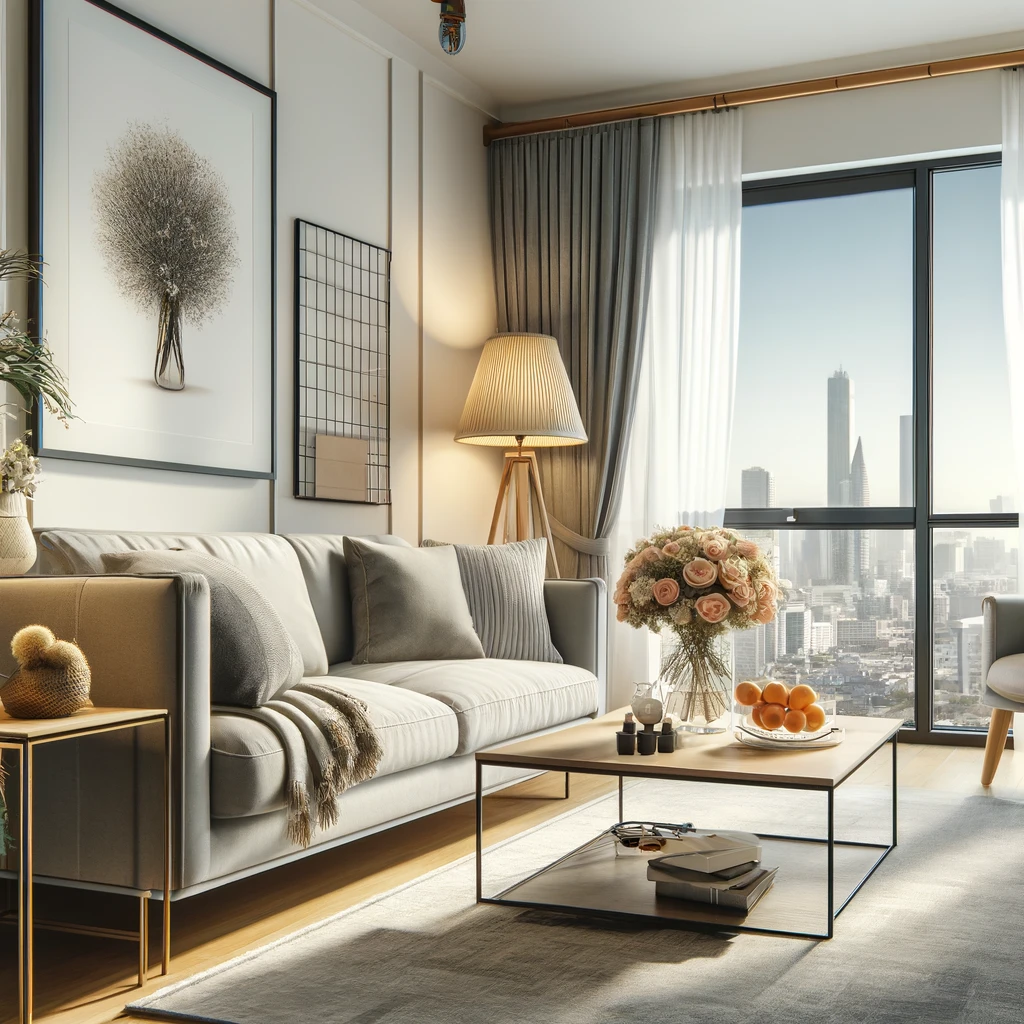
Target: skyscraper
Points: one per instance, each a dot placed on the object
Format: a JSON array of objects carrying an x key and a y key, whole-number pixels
[
  {"x": 860, "y": 493},
  {"x": 757, "y": 488},
  {"x": 840, "y": 434},
  {"x": 906, "y": 460},
  {"x": 860, "y": 497},
  {"x": 748, "y": 653},
  {"x": 796, "y": 628},
  {"x": 840, "y": 429}
]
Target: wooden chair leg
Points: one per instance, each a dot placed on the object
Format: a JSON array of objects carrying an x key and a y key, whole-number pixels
[{"x": 997, "y": 730}]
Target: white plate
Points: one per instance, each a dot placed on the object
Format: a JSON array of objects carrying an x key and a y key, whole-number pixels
[{"x": 831, "y": 739}]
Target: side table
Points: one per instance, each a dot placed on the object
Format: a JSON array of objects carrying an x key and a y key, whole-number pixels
[{"x": 23, "y": 736}]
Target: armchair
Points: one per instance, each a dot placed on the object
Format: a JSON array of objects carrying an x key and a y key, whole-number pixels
[{"x": 1002, "y": 671}]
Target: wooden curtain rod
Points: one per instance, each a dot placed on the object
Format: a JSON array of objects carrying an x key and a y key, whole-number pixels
[{"x": 763, "y": 94}]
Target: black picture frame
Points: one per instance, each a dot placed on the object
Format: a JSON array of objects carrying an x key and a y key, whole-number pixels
[{"x": 36, "y": 220}]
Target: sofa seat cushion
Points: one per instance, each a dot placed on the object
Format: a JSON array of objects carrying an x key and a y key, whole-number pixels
[
  {"x": 248, "y": 771},
  {"x": 494, "y": 700},
  {"x": 1006, "y": 677}
]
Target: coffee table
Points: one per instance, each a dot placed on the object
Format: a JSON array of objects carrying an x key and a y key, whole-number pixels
[{"x": 817, "y": 878}]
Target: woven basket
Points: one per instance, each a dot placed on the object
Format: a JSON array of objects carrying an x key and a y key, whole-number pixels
[{"x": 47, "y": 692}]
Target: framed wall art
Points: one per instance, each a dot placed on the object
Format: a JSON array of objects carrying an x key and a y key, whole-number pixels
[
  {"x": 342, "y": 366},
  {"x": 155, "y": 218}
]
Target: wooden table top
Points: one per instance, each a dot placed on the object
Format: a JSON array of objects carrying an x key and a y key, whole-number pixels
[
  {"x": 591, "y": 746},
  {"x": 21, "y": 729}
]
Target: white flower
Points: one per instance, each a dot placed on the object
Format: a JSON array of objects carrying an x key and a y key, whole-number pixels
[{"x": 19, "y": 470}]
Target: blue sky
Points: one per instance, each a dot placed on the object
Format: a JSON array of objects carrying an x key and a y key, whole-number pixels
[{"x": 828, "y": 283}]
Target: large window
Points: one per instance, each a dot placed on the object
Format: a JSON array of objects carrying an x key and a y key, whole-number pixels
[{"x": 871, "y": 442}]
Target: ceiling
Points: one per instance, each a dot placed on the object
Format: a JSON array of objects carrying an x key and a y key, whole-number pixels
[{"x": 542, "y": 56}]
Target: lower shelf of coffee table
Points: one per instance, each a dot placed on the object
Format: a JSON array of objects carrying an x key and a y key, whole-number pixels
[{"x": 594, "y": 881}]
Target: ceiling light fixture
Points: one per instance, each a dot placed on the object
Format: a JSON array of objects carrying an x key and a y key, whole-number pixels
[{"x": 452, "y": 31}]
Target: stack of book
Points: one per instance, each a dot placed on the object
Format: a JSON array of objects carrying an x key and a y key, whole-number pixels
[{"x": 719, "y": 868}]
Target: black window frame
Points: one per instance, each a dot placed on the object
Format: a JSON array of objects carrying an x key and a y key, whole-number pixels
[{"x": 917, "y": 176}]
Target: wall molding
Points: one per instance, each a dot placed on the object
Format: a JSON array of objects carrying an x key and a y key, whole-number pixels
[{"x": 465, "y": 91}]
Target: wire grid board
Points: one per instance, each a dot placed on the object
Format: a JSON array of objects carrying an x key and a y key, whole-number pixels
[{"x": 342, "y": 322}]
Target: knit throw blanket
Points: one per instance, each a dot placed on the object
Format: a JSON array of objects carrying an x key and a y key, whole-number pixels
[{"x": 329, "y": 744}]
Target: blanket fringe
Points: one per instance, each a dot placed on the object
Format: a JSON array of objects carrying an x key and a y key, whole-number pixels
[
  {"x": 327, "y": 794},
  {"x": 342, "y": 742},
  {"x": 300, "y": 821},
  {"x": 365, "y": 741}
]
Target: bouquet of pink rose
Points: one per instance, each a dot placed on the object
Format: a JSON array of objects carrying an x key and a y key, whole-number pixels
[{"x": 699, "y": 583}]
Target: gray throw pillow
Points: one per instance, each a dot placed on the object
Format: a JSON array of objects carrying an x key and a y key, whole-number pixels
[
  {"x": 407, "y": 604},
  {"x": 504, "y": 585},
  {"x": 252, "y": 656}
]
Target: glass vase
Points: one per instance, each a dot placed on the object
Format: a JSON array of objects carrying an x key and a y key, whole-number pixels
[
  {"x": 697, "y": 684},
  {"x": 169, "y": 369}
]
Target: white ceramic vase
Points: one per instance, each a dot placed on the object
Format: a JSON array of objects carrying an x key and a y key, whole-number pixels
[{"x": 17, "y": 545}]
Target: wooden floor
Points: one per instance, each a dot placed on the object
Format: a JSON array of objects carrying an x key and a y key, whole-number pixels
[{"x": 86, "y": 981}]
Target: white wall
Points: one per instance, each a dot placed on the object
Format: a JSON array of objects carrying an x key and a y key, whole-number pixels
[
  {"x": 959, "y": 113},
  {"x": 377, "y": 139},
  {"x": 458, "y": 313}
]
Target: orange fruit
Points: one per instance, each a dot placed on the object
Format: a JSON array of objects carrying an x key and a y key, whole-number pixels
[
  {"x": 755, "y": 713},
  {"x": 773, "y": 715},
  {"x": 776, "y": 693},
  {"x": 801, "y": 697},
  {"x": 815, "y": 716},
  {"x": 795, "y": 721},
  {"x": 748, "y": 694}
]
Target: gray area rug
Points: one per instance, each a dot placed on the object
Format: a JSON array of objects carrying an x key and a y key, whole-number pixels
[{"x": 935, "y": 935}]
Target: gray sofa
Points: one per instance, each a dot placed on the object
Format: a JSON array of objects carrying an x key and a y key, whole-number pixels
[{"x": 147, "y": 638}]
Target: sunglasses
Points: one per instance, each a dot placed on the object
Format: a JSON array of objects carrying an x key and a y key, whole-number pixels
[{"x": 648, "y": 837}]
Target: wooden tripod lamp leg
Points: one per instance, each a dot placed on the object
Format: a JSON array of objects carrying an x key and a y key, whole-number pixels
[
  {"x": 506, "y": 479},
  {"x": 538, "y": 493}
]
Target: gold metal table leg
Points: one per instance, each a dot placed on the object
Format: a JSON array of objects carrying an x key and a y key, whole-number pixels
[
  {"x": 143, "y": 938},
  {"x": 166, "y": 966},
  {"x": 25, "y": 885}
]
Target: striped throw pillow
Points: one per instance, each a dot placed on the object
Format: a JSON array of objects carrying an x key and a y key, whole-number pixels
[{"x": 504, "y": 585}]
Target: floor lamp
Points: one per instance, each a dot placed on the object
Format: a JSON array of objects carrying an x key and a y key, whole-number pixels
[{"x": 521, "y": 399}]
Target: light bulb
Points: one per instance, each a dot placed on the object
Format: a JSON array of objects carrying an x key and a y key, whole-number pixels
[
  {"x": 452, "y": 35},
  {"x": 452, "y": 30}
]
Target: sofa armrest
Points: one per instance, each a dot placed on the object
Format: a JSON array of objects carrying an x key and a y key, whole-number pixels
[
  {"x": 98, "y": 812},
  {"x": 578, "y": 616}
]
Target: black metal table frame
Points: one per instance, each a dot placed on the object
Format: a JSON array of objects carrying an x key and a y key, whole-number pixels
[
  {"x": 484, "y": 760},
  {"x": 25, "y": 748}
]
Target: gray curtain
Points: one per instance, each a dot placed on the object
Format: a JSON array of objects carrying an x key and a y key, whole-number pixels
[{"x": 572, "y": 218}]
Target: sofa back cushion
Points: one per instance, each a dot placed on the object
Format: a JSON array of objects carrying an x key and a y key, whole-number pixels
[
  {"x": 322, "y": 558},
  {"x": 268, "y": 560}
]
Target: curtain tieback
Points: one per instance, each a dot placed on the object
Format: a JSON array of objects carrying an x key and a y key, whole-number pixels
[{"x": 596, "y": 547}]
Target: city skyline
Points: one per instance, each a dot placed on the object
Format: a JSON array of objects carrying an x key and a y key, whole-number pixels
[{"x": 828, "y": 283}]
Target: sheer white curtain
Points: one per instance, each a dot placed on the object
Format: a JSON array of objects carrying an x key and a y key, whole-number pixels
[
  {"x": 1012, "y": 205},
  {"x": 679, "y": 453}
]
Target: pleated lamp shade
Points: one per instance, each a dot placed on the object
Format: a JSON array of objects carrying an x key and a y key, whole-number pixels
[{"x": 521, "y": 390}]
